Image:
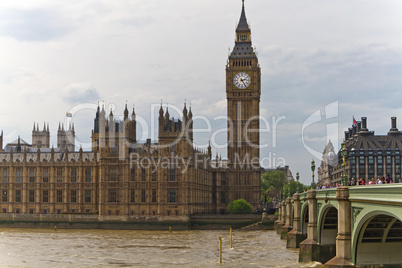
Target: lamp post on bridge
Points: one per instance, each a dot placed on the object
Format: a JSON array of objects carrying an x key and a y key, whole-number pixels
[
  {"x": 344, "y": 178},
  {"x": 313, "y": 186},
  {"x": 298, "y": 190}
]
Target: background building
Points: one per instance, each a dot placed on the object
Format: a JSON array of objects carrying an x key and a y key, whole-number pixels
[{"x": 367, "y": 156}]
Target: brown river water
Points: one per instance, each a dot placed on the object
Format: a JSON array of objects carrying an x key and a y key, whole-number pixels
[{"x": 119, "y": 248}]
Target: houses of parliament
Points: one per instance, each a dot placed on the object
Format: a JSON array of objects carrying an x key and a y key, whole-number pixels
[{"x": 117, "y": 178}]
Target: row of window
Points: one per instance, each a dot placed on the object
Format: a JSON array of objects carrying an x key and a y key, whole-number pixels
[
  {"x": 172, "y": 174},
  {"x": 240, "y": 180},
  {"x": 223, "y": 179},
  {"x": 113, "y": 196},
  {"x": 45, "y": 175},
  {"x": 242, "y": 37},
  {"x": 44, "y": 211},
  {"x": 374, "y": 152},
  {"x": 242, "y": 63},
  {"x": 113, "y": 175},
  {"x": 45, "y": 196},
  {"x": 371, "y": 160},
  {"x": 371, "y": 170},
  {"x": 172, "y": 196}
]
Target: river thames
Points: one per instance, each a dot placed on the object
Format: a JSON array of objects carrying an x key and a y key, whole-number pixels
[{"x": 111, "y": 248}]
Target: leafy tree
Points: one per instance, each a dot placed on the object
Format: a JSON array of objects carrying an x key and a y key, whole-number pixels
[
  {"x": 272, "y": 183},
  {"x": 290, "y": 189},
  {"x": 239, "y": 206}
]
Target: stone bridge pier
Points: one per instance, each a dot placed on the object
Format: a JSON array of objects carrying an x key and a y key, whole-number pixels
[
  {"x": 309, "y": 248},
  {"x": 295, "y": 236},
  {"x": 287, "y": 227},
  {"x": 282, "y": 218},
  {"x": 343, "y": 240}
]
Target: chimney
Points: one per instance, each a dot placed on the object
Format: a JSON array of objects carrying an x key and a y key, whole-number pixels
[
  {"x": 354, "y": 130},
  {"x": 364, "y": 125},
  {"x": 393, "y": 126},
  {"x": 346, "y": 135},
  {"x": 393, "y": 119},
  {"x": 359, "y": 126}
]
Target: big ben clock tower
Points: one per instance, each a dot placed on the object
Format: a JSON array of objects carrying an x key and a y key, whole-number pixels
[{"x": 243, "y": 91}]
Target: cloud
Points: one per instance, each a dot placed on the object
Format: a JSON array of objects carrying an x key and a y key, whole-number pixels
[
  {"x": 80, "y": 93},
  {"x": 325, "y": 75},
  {"x": 33, "y": 24}
]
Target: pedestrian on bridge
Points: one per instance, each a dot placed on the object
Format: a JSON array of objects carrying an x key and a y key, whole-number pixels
[{"x": 389, "y": 179}]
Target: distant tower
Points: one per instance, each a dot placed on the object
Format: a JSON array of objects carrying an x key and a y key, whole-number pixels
[
  {"x": 41, "y": 139},
  {"x": 66, "y": 138}
]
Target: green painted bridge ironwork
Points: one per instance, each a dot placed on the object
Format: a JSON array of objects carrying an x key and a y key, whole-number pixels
[{"x": 345, "y": 226}]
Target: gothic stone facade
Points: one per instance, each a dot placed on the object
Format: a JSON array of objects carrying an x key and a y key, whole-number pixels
[{"x": 121, "y": 177}]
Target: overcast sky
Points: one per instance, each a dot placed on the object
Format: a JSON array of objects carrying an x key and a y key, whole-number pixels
[{"x": 334, "y": 59}]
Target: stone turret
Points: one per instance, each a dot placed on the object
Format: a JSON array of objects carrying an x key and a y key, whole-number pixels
[
  {"x": 132, "y": 129},
  {"x": 111, "y": 135},
  {"x": 41, "y": 139},
  {"x": 174, "y": 131},
  {"x": 209, "y": 150},
  {"x": 102, "y": 129},
  {"x": 125, "y": 113},
  {"x": 66, "y": 138},
  {"x": 96, "y": 120},
  {"x": 190, "y": 125}
]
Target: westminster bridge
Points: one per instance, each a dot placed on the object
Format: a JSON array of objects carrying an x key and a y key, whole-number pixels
[{"x": 345, "y": 226}]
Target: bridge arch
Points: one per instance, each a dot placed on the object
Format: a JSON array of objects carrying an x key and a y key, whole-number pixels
[
  {"x": 377, "y": 239},
  {"x": 292, "y": 215},
  {"x": 304, "y": 219},
  {"x": 327, "y": 225}
]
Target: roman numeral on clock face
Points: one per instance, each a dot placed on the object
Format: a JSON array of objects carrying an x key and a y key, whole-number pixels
[{"x": 242, "y": 80}]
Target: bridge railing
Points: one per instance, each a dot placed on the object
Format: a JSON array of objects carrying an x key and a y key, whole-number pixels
[{"x": 384, "y": 193}]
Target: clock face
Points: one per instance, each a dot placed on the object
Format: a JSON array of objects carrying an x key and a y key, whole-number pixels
[{"x": 242, "y": 80}]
